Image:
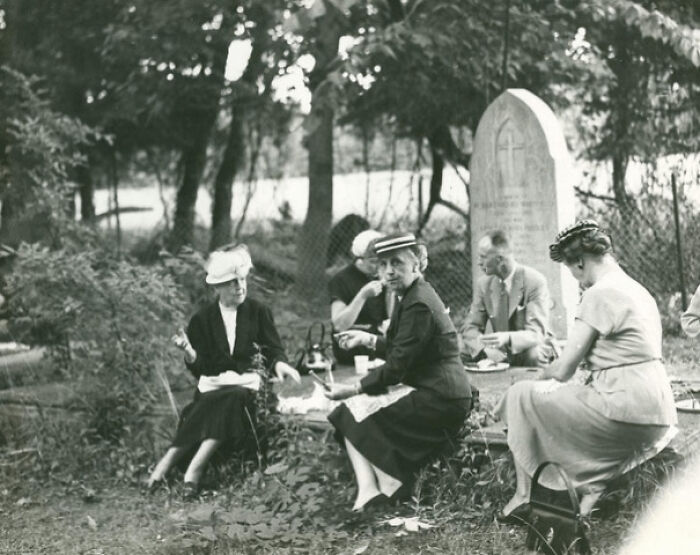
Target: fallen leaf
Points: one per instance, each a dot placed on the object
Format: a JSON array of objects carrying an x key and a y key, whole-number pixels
[
  {"x": 361, "y": 549},
  {"x": 400, "y": 533},
  {"x": 233, "y": 531},
  {"x": 208, "y": 533},
  {"x": 276, "y": 468},
  {"x": 202, "y": 513},
  {"x": 396, "y": 521},
  {"x": 23, "y": 501},
  {"x": 91, "y": 523}
]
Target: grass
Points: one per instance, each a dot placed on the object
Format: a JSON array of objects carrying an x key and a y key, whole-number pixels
[{"x": 94, "y": 504}]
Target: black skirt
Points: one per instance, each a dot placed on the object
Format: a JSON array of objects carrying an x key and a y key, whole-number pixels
[
  {"x": 226, "y": 414},
  {"x": 402, "y": 436}
]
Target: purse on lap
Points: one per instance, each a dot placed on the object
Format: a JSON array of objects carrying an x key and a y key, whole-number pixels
[{"x": 555, "y": 526}]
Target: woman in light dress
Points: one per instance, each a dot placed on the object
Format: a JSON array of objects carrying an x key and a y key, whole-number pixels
[{"x": 624, "y": 414}]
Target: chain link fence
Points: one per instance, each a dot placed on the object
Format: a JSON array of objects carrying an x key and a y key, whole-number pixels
[{"x": 645, "y": 238}]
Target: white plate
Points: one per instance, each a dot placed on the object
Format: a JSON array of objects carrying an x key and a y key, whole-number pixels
[
  {"x": 498, "y": 367},
  {"x": 688, "y": 405}
]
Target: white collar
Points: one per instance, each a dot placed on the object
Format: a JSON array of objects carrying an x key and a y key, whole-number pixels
[
  {"x": 227, "y": 309},
  {"x": 508, "y": 282}
]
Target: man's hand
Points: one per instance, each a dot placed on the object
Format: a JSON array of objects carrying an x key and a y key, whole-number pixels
[
  {"x": 372, "y": 289},
  {"x": 496, "y": 340},
  {"x": 353, "y": 338},
  {"x": 339, "y": 391},
  {"x": 496, "y": 355},
  {"x": 284, "y": 370}
]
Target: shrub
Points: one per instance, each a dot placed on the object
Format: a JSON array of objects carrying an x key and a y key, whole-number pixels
[{"x": 107, "y": 323}]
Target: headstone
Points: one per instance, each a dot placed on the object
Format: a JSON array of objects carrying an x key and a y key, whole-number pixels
[{"x": 522, "y": 182}]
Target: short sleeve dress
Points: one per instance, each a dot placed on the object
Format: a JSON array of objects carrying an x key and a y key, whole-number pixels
[{"x": 623, "y": 415}]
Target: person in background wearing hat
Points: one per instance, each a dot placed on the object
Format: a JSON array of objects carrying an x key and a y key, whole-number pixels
[
  {"x": 403, "y": 412},
  {"x": 218, "y": 349},
  {"x": 624, "y": 414},
  {"x": 690, "y": 319},
  {"x": 514, "y": 298},
  {"x": 358, "y": 299}
]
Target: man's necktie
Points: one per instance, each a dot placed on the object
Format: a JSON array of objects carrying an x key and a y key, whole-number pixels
[{"x": 500, "y": 320}]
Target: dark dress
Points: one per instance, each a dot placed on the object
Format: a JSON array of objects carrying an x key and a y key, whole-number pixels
[
  {"x": 343, "y": 286},
  {"x": 228, "y": 413},
  {"x": 400, "y": 429}
]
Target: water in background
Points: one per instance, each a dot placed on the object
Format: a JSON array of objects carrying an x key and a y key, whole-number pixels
[{"x": 393, "y": 197}]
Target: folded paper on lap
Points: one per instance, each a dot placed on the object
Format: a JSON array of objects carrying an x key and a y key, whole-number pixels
[
  {"x": 362, "y": 406},
  {"x": 251, "y": 380}
]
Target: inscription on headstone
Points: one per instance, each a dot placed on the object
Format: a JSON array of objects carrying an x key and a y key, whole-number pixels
[{"x": 522, "y": 182}]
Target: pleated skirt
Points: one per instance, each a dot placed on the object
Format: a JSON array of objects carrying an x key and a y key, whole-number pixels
[
  {"x": 401, "y": 431},
  {"x": 559, "y": 424}
]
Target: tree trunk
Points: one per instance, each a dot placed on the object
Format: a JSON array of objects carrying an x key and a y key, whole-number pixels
[
  {"x": 223, "y": 184},
  {"x": 313, "y": 241},
  {"x": 86, "y": 191},
  {"x": 194, "y": 154},
  {"x": 313, "y": 238},
  {"x": 435, "y": 187},
  {"x": 194, "y": 161}
]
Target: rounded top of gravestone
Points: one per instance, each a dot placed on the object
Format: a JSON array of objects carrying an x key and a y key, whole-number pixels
[{"x": 524, "y": 106}]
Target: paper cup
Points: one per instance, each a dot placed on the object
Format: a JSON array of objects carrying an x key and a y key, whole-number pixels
[{"x": 361, "y": 364}]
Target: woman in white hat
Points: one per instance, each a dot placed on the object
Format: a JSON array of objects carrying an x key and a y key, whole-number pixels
[
  {"x": 219, "y": 348},
  {"x": 402, "y": 413}
]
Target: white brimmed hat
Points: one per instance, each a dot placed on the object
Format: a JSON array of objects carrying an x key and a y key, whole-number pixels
[
  {"x": 224, "y": 266},
  {"x": 362, "y": 241}
]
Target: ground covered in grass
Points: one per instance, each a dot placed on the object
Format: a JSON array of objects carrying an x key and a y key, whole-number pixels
[{"x": 299, "y": 505}]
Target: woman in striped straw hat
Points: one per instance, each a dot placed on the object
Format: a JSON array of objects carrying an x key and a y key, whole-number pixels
[{"x": 402, "y": 413}]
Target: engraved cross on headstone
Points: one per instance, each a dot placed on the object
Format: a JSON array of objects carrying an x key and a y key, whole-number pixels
[{"x": 509, "y": 146}]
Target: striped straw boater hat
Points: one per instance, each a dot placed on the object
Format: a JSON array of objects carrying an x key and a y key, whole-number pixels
[{"x": 394, "y": 242}]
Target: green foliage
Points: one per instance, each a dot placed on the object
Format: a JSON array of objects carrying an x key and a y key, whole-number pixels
[
  {"x": 41, "y": 147},
  {"x": 439, "y": 63},
  {"x": 298, "y": 496},
  {"x": 107, "y": 323},
  {"x": 638, "y": 95}
]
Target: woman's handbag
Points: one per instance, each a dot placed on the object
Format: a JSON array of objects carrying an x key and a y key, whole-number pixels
[
  {"x": 314, "y": 356},
  {"x": 555, "y": 528}
]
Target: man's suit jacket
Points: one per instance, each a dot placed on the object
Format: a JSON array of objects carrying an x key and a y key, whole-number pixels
[
  {"x": 528, "y": 307},
  {"x": 254, "y": 324},
  {"x": 690, "y": 320}
]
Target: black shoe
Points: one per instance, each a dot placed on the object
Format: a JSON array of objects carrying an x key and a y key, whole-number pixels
[
  {"x": 155, "y": 485},
  {"x": 376, "y": 501},
  {"x": 519, "y": 516},
  {"x": 190, "y": 491}
]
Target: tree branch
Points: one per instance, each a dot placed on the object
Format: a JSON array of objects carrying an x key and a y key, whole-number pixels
[{"x": 588, "y": 194}]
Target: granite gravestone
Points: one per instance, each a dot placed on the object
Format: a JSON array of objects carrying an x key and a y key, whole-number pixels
[{"x": 522, "y": 183}]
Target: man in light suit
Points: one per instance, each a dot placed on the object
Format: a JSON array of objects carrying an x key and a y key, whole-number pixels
[
  {"x": 514, "y": 300},
  {"x": 690, "y": 320}
]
